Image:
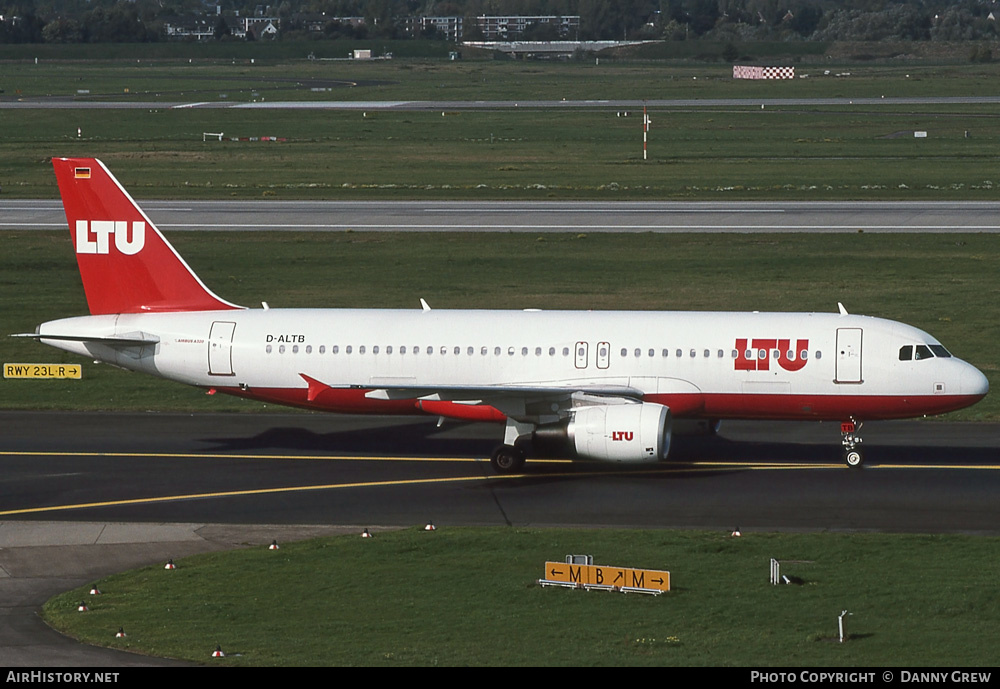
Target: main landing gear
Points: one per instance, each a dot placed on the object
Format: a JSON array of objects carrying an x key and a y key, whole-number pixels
[
  {"x": 507, "y": 459},
  {"x": 851, "y": 440}
]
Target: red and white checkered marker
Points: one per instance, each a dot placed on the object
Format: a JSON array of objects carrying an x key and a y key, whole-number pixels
[
  {"x": 273, "y": 546},
  {"x": 217, "y": 653},
  {"x": 366, "y": 534},
  {"x": 170, "y": 565},
  {"x": 121, "y": 633},
  {"x": 95, "y": 591},
  {"x": 736, "y": 532},
  {"x": 430, "y": 527},
  {"x": 82, "y": 607}
]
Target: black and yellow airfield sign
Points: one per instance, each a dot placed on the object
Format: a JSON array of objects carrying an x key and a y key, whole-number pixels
[
  {"x": 45, "y": 371},
  {"x": 603, "y": 575}
]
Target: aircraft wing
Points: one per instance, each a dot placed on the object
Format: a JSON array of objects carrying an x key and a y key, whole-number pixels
[
  {"x": 464, "y": 394},
  {"x": 516, "y": 400},
  {"x": 512, "y": 399}
]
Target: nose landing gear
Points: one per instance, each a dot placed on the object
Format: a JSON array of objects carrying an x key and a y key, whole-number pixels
[{"x": 850, "y": 440}]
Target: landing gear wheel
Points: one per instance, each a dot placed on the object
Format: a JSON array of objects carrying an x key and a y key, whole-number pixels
[
  {"x": 507, "y": 459},
  {"x": 850, "y": 438},
  {"x": 854, "y": 459}
]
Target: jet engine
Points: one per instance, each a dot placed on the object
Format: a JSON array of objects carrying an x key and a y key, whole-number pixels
[{"x": 630, "y": 433}]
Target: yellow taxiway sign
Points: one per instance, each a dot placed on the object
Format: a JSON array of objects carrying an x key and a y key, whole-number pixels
[
  {"x": 42, "y": 371},
  {"x": 604, "y": 575}
]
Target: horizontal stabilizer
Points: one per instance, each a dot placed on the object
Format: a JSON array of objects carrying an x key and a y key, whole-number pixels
[{"x": 132, "y": 340}]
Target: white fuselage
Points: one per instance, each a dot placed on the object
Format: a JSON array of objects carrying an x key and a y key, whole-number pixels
[{"x": 700, "y": 365}]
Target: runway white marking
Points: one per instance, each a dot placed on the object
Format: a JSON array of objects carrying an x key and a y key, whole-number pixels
[
  {"x": 609, "y": 211},
  {"x": 618, "y": 228},
  {"x": 479, "y": 227}
]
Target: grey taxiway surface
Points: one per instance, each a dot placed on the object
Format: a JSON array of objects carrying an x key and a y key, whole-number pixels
[
  {"x": 538, "y": 217},
  {"x": 86, "y": 495}
]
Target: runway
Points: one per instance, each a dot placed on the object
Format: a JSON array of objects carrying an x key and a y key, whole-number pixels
[
  {"x": 65, "y": 103},
  {"x": 539, "y": 217}
]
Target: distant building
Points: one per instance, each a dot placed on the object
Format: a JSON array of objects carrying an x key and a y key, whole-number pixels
[
  {"x": 261, "y": 27},
  {"x": 510, "y": 27},
  {"x": 449, "y": 27},
  {"x": 201, "y": 28}
]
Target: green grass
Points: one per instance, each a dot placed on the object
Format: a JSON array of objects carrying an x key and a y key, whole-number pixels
[
  {"x": 789, "y": 152},
  {"x": 444, "y": 598},
  {"x": 592, "y": 154},
  {"x": 948, "y": 285}
]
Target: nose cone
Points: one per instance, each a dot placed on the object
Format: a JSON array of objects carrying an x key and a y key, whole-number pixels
[{"x": 973, "y": 382}]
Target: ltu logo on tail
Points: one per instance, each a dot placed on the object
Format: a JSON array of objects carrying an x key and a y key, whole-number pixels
[{"x": 94, "y": 236}]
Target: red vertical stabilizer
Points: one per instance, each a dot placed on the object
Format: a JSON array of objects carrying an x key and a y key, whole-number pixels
[{"x": 126, "y": 264}]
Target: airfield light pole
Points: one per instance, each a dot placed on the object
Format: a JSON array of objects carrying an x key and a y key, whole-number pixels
[{"x": 645, "y": 129}]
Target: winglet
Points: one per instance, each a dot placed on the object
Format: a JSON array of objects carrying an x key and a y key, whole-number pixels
[
  {"x": 843, "y": 311},
  {"x": 125, "y": 263}
]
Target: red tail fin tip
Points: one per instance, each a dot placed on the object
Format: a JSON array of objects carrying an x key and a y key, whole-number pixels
[{"x": 126, "y": 265}]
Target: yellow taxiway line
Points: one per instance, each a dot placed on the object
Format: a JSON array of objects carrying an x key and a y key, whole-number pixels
[{"x": 696, "y": 467}]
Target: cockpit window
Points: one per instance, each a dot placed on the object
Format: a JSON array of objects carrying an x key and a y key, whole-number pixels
[{"x": 922, "y": 351}]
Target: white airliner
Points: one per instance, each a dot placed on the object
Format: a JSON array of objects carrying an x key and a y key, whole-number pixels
[{"x": 602, "y": 385}]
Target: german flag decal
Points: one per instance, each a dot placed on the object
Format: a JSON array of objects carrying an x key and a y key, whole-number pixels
[{"x": 81, "y": 173}]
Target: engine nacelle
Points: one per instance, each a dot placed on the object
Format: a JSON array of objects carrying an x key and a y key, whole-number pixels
[{"x": 613, "y": 433}]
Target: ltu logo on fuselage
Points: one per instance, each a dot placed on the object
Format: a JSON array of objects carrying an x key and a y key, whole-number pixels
[
  {"x": 622, "y": 435},
  {"x": 756, "y": 354},
  {"x": 94, "y": 236}
]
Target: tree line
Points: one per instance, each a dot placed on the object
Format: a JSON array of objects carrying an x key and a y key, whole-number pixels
[{"x": 97, "y": 21}]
